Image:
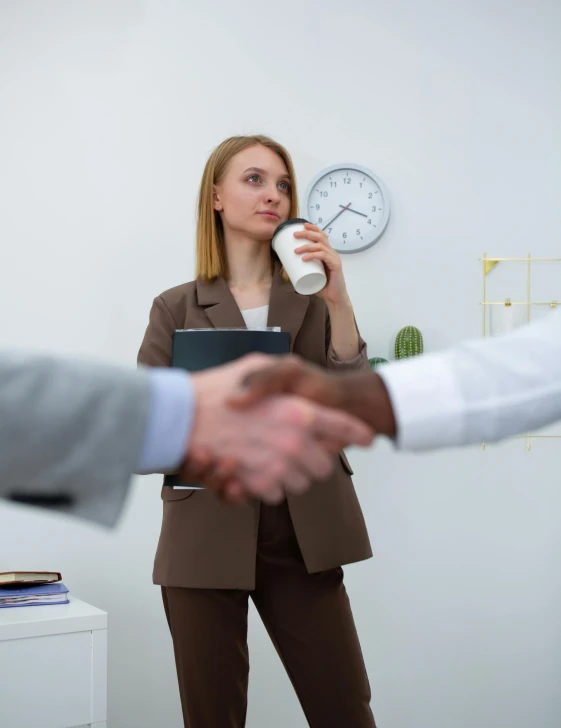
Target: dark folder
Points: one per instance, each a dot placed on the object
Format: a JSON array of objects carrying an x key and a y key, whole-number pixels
[{"x": 196, "y": 350}]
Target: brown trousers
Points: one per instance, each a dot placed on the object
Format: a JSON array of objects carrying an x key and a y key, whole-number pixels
[{"x": 307, "y": 616}]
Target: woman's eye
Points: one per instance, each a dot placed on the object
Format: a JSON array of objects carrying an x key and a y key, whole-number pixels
[
  {"x": 285, "y": 186},
  {"x": 254, "y": 178}
]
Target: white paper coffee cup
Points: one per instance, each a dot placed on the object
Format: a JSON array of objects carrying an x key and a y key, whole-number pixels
[{"x": 307, "y": 276}]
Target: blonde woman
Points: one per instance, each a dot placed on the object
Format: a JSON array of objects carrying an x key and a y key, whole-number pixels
[{"x": 213, "y": 557}]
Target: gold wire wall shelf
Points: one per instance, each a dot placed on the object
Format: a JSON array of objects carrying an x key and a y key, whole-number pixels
[{"x": 488, "y": 264}]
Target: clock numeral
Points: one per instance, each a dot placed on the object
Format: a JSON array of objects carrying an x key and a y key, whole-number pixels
[
  {"x": 374, "y": 208},
  {"x": 344, "y": 236},
  {"x": 323, "y": 194},
  {"x": 317, "y": 207},
  {"x": 329, "y": 230},
  {"x": 358, "y": 232},
  {"x": 369, "y": 221},
  {"x": 347, "y": 181},
  {"x": 320, "y": 219},
  {"x": 360, "y": 185},
  {"x": 333, "y": 184},
  {"x": 370, "y": 195}
]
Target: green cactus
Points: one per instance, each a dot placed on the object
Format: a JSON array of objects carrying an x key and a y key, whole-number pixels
[
  {"x": 408, "y": 342},
  {"x": 376, "y": 361}
]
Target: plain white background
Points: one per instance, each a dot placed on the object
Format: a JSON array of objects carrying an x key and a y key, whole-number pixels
[{"x": 108, "y": 111}]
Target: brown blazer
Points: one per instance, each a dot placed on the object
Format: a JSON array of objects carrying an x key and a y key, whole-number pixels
[{"x": 206, "y": 544}]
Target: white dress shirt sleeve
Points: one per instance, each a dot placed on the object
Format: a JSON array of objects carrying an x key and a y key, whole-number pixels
[{"x": 480, "y": 391}]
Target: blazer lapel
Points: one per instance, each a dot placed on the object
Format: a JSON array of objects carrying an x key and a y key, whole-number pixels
[
  {"x": 219, "y": 304},
  {"x": 286, "y": 307}
]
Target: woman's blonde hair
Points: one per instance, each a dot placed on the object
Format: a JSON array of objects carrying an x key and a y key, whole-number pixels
[{"x": 211, "y": 253}]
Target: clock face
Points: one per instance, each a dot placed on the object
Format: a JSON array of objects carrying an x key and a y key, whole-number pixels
[{"x": 351, "y": 204}]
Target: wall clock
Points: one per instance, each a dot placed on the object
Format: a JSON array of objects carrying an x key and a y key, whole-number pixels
[{"x": 351, "y": 204}]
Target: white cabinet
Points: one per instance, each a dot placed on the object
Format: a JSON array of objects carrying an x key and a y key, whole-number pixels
[{"x": 53, "y": 666}]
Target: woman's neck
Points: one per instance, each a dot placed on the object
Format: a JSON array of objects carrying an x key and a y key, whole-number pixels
[{"x": 249, "y": 263}]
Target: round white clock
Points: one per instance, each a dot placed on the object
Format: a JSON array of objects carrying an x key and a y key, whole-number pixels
[{"x": 351, "y": 204}]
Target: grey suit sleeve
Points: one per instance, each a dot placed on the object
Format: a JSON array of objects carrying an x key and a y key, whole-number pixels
[{"x": 73, "y": 430}]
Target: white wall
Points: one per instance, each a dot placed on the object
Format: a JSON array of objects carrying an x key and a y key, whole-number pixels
[{"x": 108, "y": 110}]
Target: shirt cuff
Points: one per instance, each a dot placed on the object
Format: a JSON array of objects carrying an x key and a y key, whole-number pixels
[
  {"x": 169, "y": 423},
  {"x": 426, "y": 401}
]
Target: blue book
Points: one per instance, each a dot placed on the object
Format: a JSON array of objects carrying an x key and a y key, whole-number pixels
[{"x": 34, "y": 595}]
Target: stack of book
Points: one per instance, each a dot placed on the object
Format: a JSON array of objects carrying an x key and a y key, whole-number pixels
[{"x": 31, "y": 589}]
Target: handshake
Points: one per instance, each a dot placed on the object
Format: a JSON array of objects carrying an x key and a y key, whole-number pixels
[{"x": 267, "y": 426}]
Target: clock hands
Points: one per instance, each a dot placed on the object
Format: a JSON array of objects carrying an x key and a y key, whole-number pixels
[
  {"x": 356, "y": 212},
  {"x": 341, "y": 211},
  {"x": 337, "y": 215}
]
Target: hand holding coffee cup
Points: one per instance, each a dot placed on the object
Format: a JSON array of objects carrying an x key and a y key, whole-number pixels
[
  {"x": 307, "y": 276},
  {"x": 312, "y": 265}
]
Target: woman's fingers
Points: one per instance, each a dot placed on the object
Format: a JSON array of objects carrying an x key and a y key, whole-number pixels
[
  {"x": 309, "y": 248},
  {"x": 311, "y": 226},
  {"x": 320, "y": 255},
  {"x": 316, "y": 237}
]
